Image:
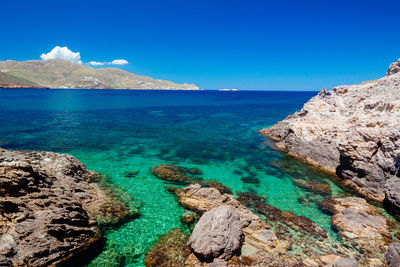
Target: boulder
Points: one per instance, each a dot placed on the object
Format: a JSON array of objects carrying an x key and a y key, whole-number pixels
[
  {"x": 392, "y": 256},
  {"x": 345, "y": 262},
  {"x": 218, "y": 234}
]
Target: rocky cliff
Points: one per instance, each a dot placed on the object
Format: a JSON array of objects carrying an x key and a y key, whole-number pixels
[
  {"x": 50, "y": 208},
  {"x": 352, "y": 131},
  {"x": 58, "y": 73}
]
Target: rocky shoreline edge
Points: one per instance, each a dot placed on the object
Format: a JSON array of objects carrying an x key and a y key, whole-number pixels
[
  {"x": 352, "y": 132},
  {"x": 52, "y": 208},
  {"x": 225, "y": 230}
]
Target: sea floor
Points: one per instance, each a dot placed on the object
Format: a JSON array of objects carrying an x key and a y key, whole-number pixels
[{"x": 117, "y": 132}]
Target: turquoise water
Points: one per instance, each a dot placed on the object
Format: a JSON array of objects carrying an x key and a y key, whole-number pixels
[{"x": 119, "y": 131}]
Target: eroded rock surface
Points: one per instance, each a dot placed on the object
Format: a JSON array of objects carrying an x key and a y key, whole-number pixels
[
  {"x": 360, "y": 224},
  {"x": 392, "y": 256},
  {"x": 48, "y": 207},
  {"x": 218, "y": 234},
  {"x": 283, "y": 239},
  {"x": 352, "y": 131}
]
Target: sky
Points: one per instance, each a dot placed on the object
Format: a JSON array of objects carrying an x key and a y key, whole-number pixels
[{"x": 248, "y": 44}]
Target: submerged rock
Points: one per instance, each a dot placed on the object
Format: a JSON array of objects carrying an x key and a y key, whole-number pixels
[
  {"x": 218, "y": 234},
  {"x": 170, "y": 250},
  {"x": 186, "y": 176},
  {"x": 172, "y": 173},
  {"x": 48, "y": 206},
  {"x": 351, "y": 131},
  {"x": 261, "y": 245},
  {"x": 131, "y": 174},
  {"x": 319, "y": 188}
]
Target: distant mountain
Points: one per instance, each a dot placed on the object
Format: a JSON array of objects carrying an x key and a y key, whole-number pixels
[{"x": 58, "y": 73}]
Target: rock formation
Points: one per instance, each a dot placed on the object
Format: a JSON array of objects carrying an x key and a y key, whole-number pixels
[
  {"x": 359, "y": 224},
  {"x": 352, "y": 131},
  {"x": 283, "y": 239},
  {"x": 48, "y": 208}
]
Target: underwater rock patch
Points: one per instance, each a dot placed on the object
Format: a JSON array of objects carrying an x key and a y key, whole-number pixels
[
  {"x": 170, "y": 250},
  {"x": 186, "y": 176},
  {"x": 319, "y": 188}
]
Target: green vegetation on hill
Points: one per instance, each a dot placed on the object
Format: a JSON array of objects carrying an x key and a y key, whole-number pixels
[
  {"x": 58, "y": 73},
  {"x": 9, "y": 80}
]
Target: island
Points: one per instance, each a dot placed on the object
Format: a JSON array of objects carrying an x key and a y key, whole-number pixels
[{"x": 60, "y": 74}]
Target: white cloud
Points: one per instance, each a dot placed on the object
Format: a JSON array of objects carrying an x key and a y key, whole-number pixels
[
  {"x": 119, "y": 62},
  {"x": 95, "y": 63},
  {"x": 63, "y": 53}
]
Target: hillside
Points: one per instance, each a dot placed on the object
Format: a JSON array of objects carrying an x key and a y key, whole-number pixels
[{"x": 58, "y": 73}]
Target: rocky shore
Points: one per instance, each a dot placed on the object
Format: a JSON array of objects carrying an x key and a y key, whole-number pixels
[
  {"x": 245, "y": 231},
  {"x": 51, "y": 208},
  {"x": 353, "y": 132}
]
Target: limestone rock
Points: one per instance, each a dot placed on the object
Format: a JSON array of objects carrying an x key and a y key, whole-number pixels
[
  {"x": 45, "y": 202},
  {"x": 359, "y": 223},
  {"x": 351, "y": 131},
  {"x": 392, "y": 256},
  {"x": 392, "y": 195},
  {"x": 347, "y": 262},
  {"x": 261, "y": 246},
  {"x": 218, "y": 234}
]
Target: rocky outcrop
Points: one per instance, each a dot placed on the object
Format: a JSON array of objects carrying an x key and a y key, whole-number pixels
[
  {"x": 282, "y": 239},
  {"x": 170, "y": 250},
  {"x": 218, "y": 234},
  {"x": 352, "y": 131},
  {"x": 48, "y": 208},
  {"x": 360, "y": 224}
]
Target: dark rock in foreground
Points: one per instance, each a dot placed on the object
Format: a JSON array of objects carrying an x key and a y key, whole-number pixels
[
  {"x": 353, "y": 132},
  {"x": 48, "y": 208}
]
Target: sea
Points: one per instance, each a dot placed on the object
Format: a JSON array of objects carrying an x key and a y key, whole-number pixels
[{"x": 115, "y": 132}]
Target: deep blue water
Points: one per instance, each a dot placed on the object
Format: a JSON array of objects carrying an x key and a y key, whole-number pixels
[{"x": 115, "y": 131}]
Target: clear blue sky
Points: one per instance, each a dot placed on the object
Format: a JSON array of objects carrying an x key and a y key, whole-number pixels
[{"x": 282, "y": 45}]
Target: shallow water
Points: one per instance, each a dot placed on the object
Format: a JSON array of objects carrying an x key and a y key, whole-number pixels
[{"x": 118, "y": 131}]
